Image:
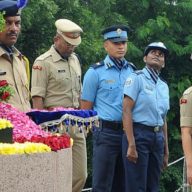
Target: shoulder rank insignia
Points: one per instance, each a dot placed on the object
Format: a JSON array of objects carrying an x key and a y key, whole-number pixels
[
  {"x": 96, "y": 65},
  {"x": 138, "y": 72},
  {"x": 36, "y": 67}
]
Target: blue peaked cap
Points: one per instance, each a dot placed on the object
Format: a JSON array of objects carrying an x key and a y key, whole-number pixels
[
  {"x": 12, "y": 7},
  {"x": 116, "y": 33}
]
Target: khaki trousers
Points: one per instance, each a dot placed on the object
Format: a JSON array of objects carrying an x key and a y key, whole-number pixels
[{"x": 79, "y": 157}]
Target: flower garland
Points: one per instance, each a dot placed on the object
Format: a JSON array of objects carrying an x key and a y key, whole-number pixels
[
  {"x": 6, "y": 91},
  {"x": 4, "y": 123},
  {"x": 23, "y": 125},
  {"x": 55, "y": 142},
  {"x": 23, "y": 148},
  {"x": 26, "y": 130}
]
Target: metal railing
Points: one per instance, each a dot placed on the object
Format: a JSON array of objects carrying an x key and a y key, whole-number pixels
[{"x": 184, "y": 187}]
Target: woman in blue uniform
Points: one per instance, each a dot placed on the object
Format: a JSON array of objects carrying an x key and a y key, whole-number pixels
[{"x": 145, "y": 106}]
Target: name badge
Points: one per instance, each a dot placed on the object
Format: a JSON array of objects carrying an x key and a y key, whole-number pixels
[
  {"x": 61, "y": 71},
  {"x": 148, "y": 89},
  {"x": 109, "y": 81}
]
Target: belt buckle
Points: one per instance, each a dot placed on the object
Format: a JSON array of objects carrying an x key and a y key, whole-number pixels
[{"x": 156, "y": 129}]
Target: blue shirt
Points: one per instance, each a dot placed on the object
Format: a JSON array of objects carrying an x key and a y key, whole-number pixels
[
  {"x": 103, "y": 85},
  {"x": 151, "y": 100}
]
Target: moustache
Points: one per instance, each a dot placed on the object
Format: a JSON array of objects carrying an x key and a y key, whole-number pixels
[{"x": 12, "y": 33}]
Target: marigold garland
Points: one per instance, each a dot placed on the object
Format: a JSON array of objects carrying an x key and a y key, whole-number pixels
[
  {"x": 23, "y": 148},
  {"x": 4, "y": 123}
]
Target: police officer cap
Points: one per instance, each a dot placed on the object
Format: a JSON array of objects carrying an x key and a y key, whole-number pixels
[
  {"x": 12, "y": 7},
  {"x": 116, "y": 33},
  {"x": 70, "y": 31},
  {"x": 156, "y": 45}
]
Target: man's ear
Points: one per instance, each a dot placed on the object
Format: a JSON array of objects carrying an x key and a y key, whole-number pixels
[
  {"x": 163, "y": 65},
  {"x": 144, "y": 59},
  {"x": 105, "y": 45}
]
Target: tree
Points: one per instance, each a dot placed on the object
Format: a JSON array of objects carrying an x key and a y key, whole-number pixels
[{"x": 169, "y": 21}]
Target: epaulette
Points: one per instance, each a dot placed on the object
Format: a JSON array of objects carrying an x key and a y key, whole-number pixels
[
  {"x": 132, "y": 65},
  {"x": 138, "y": 72},
  {"x": 96, "y": 65},
  {"x": 27, "y": 67},
  {"x": 163, "y": 79},
  {"x": 43, "y": 56},
  {"x": 187, "y": 91}
]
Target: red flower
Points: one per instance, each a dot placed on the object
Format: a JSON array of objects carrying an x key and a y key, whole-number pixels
[
  {"x": 3, "y": 83},
  {"x": 54, "y": 142},
  {"x": 5, "y": 95}
]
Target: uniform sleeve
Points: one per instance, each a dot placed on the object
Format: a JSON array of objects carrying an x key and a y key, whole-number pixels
[
  {"x": 90, "y": 85},
  {"x": 39, "y": 78},
  {"x": 131, "y": 87},
  {"x": 186, "y": 110}
]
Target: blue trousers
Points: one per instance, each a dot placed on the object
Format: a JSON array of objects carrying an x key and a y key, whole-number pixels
[
  {"x": 108, "y": 171},
  {"x": 145, "y": 174}
]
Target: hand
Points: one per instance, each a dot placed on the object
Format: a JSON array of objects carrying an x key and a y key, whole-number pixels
[
  {"x": 165, "y": 160},
  {"x": 189, "y": 174},
  {"x": 132, "y": 154}
]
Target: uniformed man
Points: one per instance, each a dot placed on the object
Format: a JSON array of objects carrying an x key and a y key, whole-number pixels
[
  {"x": 145, "y": 106},
  {"x": 12, "y": 62},
  {"x": 103, "y": 91},
  {"x": 56, "y": 82},
  {"x": 186, "y": 129}
]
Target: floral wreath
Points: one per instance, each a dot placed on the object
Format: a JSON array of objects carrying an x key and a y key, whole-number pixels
[{"x": 6, "y": 91}]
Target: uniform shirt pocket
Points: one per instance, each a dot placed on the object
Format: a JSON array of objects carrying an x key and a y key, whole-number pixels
[
  {"x": 112, "y": 93},
  {"x": 59, "y": 74}
]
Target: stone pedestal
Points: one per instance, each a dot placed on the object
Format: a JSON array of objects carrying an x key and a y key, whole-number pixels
[{"x": 41, "y": 172}]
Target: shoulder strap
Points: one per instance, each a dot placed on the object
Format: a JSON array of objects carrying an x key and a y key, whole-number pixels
[
  {"x": 27, "y": 67},
  {"x": 138, "y": 72},
  {"x": 96, "y": 65},
  {"x": 132, "y": 65}
]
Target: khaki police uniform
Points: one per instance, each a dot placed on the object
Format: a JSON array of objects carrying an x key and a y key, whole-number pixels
[
  {"x": 16, "y": 76},
  {"x": 186, "y": 108},
  {"x": 56, "y": 80}
]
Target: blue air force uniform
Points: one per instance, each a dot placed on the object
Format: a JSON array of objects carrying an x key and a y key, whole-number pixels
[
  {"x": 148, "y": 114},
  {"x": 104, "y": 83},
  {"x": 103, "y": 86}
]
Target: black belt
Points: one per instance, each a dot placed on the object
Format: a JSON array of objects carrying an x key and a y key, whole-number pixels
[
  {"x": 149, "y": 128},
  {"x": 114, "y": 125}
]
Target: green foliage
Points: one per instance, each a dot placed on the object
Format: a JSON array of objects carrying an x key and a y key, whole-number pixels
[
  {"x": 37, "y": 27},
  {"x": 2, "y": 22},
  {"x": 149, "y": 20}
]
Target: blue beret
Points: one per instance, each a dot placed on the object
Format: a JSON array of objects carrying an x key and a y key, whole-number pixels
[
  {"x": 12, "y": 7},
  {"x": 116, "y": 33}
]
